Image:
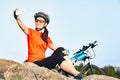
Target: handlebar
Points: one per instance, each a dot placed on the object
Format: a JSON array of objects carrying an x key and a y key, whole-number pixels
[
  {"x": 92, "y": 45},
  {"x": 84, "y": 48}
]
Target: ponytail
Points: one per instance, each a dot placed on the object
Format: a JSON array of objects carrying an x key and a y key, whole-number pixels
[{"x": 45, "y": 35}]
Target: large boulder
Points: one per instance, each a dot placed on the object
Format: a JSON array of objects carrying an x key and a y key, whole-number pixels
[
  {"x": 99, "y": 77},
  {"x": 5, "y": 64},
  {"x": 30, "y": 71},
  {"x": 11, "y": 70}
]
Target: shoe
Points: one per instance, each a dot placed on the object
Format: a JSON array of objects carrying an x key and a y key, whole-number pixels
[{"x": 78, "y": 77}]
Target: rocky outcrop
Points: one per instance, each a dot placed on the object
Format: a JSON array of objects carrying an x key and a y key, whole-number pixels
[
  {"x": 99, "y": 77},
  {"x": 11, "y": 70},
  {"x": 5, "y": 64},
  {"x": 30, "y": 71}
]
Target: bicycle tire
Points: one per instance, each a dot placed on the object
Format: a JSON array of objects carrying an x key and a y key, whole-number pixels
[{"x": 85, "y": 71}]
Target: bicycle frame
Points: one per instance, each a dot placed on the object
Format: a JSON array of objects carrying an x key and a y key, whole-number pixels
[{"x": 83, "y": 55}]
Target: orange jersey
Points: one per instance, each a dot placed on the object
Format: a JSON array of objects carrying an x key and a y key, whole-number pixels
[{"x": 36, "y": 46}]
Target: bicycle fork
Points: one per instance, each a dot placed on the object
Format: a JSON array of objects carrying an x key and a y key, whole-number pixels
[{"x": 91, "y": 69}]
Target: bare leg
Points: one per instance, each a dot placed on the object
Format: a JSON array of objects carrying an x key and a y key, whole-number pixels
[{"x": 68, "y": 66}]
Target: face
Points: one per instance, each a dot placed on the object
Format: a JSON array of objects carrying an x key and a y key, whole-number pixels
[{"x": 40, "y": 23}]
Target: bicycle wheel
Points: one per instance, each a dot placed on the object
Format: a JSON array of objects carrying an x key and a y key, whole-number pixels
[{"x": 91, "y": 69}]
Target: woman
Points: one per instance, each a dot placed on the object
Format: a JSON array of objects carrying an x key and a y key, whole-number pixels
[{"x": 39, "y": 41}]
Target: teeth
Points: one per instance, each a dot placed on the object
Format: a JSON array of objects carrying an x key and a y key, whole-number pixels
[{"x": 20, "y": 11}]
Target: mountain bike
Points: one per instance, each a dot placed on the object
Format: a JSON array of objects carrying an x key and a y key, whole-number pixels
[{"x": 85, "y": 55}]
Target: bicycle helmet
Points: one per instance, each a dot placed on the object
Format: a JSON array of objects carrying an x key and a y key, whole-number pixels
[{"x": 43, "y": 15}]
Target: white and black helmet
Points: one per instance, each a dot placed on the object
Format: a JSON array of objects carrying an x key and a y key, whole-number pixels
[{"x": 43, "y": 15}]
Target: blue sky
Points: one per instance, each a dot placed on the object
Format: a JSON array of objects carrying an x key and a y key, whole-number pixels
[{"x": 72, "y": 25}]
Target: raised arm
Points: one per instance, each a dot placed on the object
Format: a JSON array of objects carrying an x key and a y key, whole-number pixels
[{"x": 19, "y": 22}]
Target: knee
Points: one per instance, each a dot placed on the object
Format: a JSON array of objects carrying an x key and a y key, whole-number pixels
[
  {"x": 58, "y": 55},
  {"x": 59, "y": 51}
]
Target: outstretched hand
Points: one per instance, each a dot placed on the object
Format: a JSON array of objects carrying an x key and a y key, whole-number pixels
[{"x": 17, "y": 12}]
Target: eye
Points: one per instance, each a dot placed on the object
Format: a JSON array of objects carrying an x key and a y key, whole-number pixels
[{"x": 40, "y": 21}]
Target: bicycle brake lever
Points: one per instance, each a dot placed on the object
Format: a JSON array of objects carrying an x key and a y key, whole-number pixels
[
  {"x": 85, "y": 48},
  {"x": 92, "y": 45}
]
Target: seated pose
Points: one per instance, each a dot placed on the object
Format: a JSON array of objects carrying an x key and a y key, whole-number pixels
[{"x": 38, "y": 42}]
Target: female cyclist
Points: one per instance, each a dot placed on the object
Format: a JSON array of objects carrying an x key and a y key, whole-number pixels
[{"x": 38, "y": 42}]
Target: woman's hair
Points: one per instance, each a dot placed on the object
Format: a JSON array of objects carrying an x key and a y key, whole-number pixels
[{"x": 45, "y": 35}]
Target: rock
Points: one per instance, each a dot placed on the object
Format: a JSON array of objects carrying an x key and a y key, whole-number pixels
[
  {"x": 30, "y": 71},
  {"x": 11, "y": 70},
  {"x": 5, "y": 64},
  {"x": 99, "y": 77}
]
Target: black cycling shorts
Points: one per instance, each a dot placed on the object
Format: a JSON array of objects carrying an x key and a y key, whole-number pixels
[{"x": 50, "y": 62}]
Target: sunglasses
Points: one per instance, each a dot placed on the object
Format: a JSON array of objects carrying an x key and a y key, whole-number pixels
[{"x": 40, "y": 21}]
